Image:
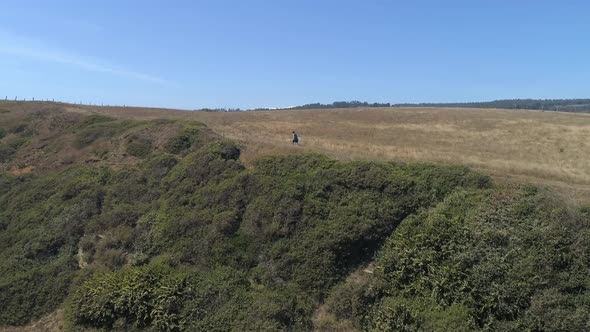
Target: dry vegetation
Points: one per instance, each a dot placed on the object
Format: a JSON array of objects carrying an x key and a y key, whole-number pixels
[{"x": 541, "y": 147}]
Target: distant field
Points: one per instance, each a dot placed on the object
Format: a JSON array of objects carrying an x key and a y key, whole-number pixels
[{"x": 542, "y": 147}]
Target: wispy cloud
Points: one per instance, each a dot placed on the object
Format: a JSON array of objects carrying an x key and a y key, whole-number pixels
[{"x": 22, "y": 47}]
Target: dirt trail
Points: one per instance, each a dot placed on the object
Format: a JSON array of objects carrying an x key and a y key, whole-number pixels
[{"x": 54, "y": 322}]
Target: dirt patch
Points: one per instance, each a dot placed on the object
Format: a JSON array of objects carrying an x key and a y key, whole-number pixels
[
  {"x": 21, "y": 171},
  {"x": 53, "y": 322}
]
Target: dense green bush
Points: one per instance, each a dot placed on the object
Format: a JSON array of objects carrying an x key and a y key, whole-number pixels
[
  {"x": 6, "y": 183},
  {"x": 419, "y": 314},
  {"x": 42, "y": 221},
  {"x": 138, "y": 297},
  {"x": 506, "y": 256},
  {"x": 139, "y": 147},
  {"x": 169, "y": 299},
  {"x": 351, "y": 300},
  {"x": 100, "y": 127},
  {"x": 329, "y": 217},
  {"x": 94, "y": 119},
  {"x": 194, "y": 241},
  {"x": 10, "y": 148},
  {"x": 6, "y": 152},
  {"x": 183, "y": 141}
]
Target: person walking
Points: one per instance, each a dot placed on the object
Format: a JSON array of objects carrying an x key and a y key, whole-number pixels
[{"x": 295, "y": 138}]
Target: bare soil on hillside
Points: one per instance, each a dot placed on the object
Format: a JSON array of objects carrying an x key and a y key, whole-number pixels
[{"x": 53, "y": 322}]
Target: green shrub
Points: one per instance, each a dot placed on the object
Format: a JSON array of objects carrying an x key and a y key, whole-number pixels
[
  {"x": 6, "y": 183},
  {"x": 141, "y": 297},
  {"x": 351, "y": 300},
  {"x": 419, "y": 314},
  {"x": 10, "y": 148},
  {"x": 183, "y": 142},
  {"x": 30, "y": 288},
  {"x": 2, "y": 133},
  {"x": 41, "y": 226},
  {"x": 88, "y": 136},
  {"x": 159, "y": 166},
  {"x": 94, "y": 119},
  {"x": 222, "y": 300},
  {"x": 493, "y": 252},
  {"x": 6, "y": 152},
  {"x": 139, "y": 147},
  {"x": 100, "y": 127}
]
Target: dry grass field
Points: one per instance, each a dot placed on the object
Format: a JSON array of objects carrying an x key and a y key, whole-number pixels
[{"x": 551, "y": 148}]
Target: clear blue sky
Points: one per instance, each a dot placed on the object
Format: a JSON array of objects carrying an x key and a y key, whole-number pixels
[{"x": 193, "y": 54}]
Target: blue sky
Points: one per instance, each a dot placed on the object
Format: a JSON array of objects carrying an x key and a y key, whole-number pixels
[{"x": 255, "y": 53}]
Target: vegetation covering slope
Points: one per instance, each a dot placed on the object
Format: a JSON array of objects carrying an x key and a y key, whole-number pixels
[{"x": 179, "y": 235}]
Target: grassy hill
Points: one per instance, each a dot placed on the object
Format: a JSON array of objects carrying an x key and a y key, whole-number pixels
[
  {"x": 545, "y": 148},
  {"x": 158, "y": 225}
]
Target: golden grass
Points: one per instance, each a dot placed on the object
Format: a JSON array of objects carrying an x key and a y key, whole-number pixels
[
  {"x": 547, "y": 145},
  {"x": 532, "y": 146},
  {"x": 543, "y": 147}
]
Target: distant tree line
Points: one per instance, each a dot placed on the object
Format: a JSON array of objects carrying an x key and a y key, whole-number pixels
[
  {"x": 563, "y": 105},
  {"x": 219, "y": 110},
  {"x": 342, "y": 104},
  {"x": 336, "y": 104}
]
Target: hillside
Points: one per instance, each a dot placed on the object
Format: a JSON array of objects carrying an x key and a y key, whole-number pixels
[
  {"x": 138, "y": 223},
  {"x": 545, "y": 148},
  {"x": 43, "y": 137}
]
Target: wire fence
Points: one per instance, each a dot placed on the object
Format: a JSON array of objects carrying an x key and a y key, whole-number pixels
[{"x": 53, "y": 100}]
